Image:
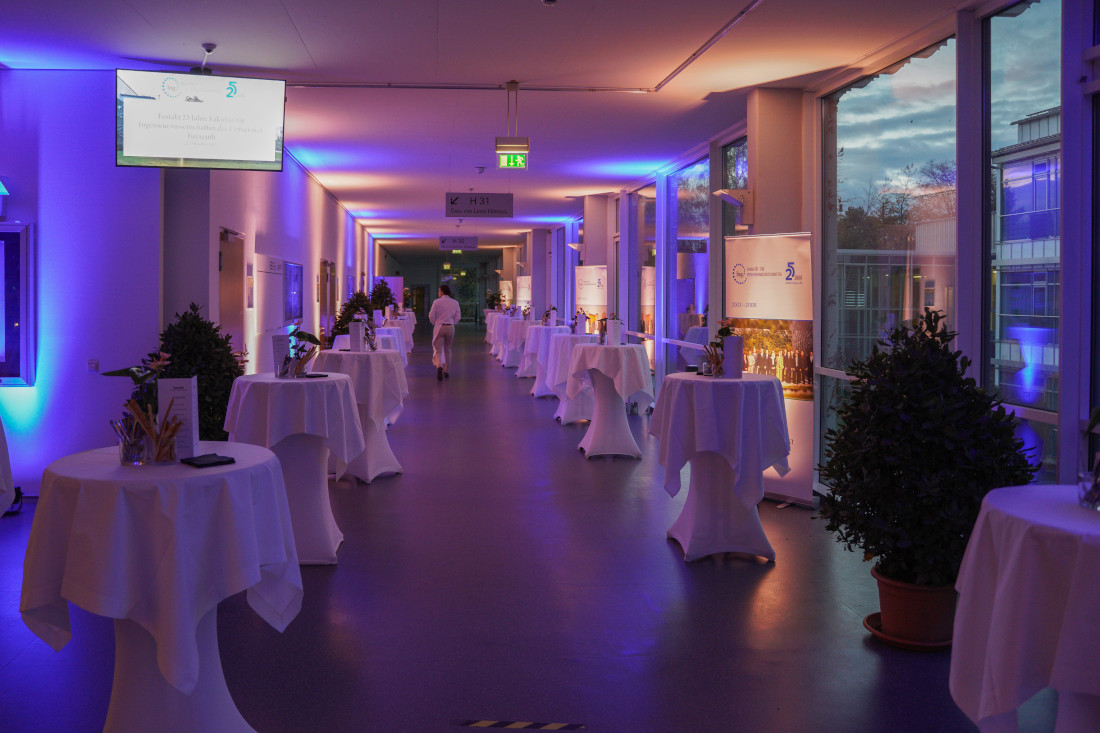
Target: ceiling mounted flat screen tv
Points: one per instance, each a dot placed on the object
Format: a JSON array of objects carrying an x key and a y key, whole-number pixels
[{"x": 170, "y": 120}]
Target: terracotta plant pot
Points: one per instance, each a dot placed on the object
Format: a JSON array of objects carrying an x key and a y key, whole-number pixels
[{"x": 914, "y": 616}]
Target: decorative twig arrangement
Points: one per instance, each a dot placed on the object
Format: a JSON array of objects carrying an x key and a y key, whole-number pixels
[
  {"x": 715, "y": 358},
  {"x": 164, "y": 437}
]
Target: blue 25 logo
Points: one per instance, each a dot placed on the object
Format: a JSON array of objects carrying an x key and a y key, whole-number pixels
[
  {"x": 231, "y": 89},
  {"x": 790, "y": 271}
]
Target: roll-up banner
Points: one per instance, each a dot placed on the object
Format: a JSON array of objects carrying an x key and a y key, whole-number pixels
[
  {"x": 591, "y": 293},
  {"x": 770, "y": 303},
  {"x": 506, "y": 292},
  {"x": 523, "y": 290}
]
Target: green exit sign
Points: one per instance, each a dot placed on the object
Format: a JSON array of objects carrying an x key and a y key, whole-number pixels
[{"x": 511, "y": 160}]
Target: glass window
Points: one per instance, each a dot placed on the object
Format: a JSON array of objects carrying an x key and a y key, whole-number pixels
[
  {"x": 889, "y": 229},
  {"x": 689, "y": 230},
  {"x": 646, "y": 226},
  {"x": 888, "y": 234},
  {"x": 1023, "y": 270},
  {"x": 735, "y": 166}
]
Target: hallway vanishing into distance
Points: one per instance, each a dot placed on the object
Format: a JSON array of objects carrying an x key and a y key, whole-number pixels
[{"x": 503, "y": 576}]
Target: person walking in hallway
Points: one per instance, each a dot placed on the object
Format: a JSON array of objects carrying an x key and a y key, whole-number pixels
[{"x": 445, "y": 313}]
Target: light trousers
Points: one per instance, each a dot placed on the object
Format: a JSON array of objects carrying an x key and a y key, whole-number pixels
[{"x": 442, "y": 338}]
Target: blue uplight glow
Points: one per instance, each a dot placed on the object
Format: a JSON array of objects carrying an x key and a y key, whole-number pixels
[{"x": 1028, "y": 381}]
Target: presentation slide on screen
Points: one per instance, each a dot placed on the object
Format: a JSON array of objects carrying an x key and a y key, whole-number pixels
[
  {"x": 523, "y": 290},
  {"x": 199, "y": 121},
  {"x": 769, "y": 303}
]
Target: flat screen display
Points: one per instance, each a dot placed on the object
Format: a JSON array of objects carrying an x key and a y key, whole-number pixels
[{"x": 172, "y": 120}]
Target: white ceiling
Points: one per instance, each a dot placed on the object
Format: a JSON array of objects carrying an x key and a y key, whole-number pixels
[{"x": 390, "y": 154}]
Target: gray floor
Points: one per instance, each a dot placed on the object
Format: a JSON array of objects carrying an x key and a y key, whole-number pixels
[{"x": 503, "y": 576}]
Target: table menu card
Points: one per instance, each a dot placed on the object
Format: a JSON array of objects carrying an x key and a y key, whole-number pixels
[{"x": 183, "y": 395}]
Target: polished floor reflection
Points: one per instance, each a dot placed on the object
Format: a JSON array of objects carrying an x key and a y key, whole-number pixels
[{"x": 503, "y": 576}]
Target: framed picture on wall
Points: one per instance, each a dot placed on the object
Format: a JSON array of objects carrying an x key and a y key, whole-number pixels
[
  {"x": 292, "y": 292},
  {"x": 17, "y": 307}
]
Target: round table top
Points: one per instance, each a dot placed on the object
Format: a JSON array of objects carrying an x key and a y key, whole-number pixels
[
  {"x": 102, "y": 464},
  {"x": 1053, "y": 506}
]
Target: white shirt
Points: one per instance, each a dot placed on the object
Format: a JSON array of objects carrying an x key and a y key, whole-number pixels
[{"x": 445, "y": 309}]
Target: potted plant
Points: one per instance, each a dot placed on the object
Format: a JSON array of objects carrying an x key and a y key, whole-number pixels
[
  {"x": 200, "y": 349},
  {"x": 357, "y": 303},
  {"x": 493, "y": 300},
  {"x": 381, "y": 296},
  {"x": 916, "y": 448}
]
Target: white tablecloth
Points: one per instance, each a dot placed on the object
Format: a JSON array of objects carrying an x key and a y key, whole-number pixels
[
  {"x": 7, "y": 486},
  {"x": 491, "y": 318},
  {"x": 387, "y": 338},
  {"x": 558, "y": 354},
  {"x": 512, "y": 349},
  {"x": 406, "y": 324},
  {"x": 397, "y": 334},
  {"x": 304, "y": 421},
  {"x": 696, "y": 335},
  {"x": 380, "y": 391},
  {"x": 536, "y": 350},
  {"x": 731, "y": 430},
  {"x": 160, "y": 546},
  {"x": 1028, "y": 615},
  {"x": 500, "y": 334},
  {"x": 626, "y": 364},
  {"x": 617, "y": 374}
]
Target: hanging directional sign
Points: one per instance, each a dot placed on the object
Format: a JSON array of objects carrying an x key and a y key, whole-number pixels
[
  {"x": 458, "y": 244},
  {"x": 511, "y": 160},
  {"x": 479, "y": 204}
]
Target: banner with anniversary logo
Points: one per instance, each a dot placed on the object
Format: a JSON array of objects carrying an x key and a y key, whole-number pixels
[{"x": 769, "y": 303}]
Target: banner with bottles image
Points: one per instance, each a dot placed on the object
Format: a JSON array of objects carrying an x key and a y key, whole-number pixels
[{"x": 769, "y": 303}]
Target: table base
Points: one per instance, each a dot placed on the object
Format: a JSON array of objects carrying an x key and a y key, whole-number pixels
[
  {"x": 527, "y": 367},
  {"x": 575, "y": 409},
  {"x": 713, "y": 519},
  {"x": 609, "y": 433},
  {"x": 510, "y": 357},
  {"x": 540, "y": 388},
  {"x": 142, "y": 700},
  {"x": 305, "y": 471},
  {"x": 378, "y": 458}
]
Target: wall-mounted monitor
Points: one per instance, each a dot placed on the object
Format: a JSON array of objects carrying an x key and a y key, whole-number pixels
[{"x": 172, "y": 120}]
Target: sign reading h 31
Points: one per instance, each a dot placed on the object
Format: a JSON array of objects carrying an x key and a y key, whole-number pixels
[
  {"x": 458, "y": 243},
  {"x": 479, "y": 204}
]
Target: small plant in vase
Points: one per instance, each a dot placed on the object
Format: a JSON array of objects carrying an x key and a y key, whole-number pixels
[
  {"x": 140, "y": 439},
  {"x": 303, "y": 347}
]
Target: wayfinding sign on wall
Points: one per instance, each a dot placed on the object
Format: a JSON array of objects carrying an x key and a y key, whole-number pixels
[
  {"x": 479, "y": 204},
  {"x": 458, "y": 243}
]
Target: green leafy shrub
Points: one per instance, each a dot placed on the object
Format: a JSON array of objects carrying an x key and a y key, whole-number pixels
[
  {"x": 917, "y": 447},
  {"x": 198, "y": 348},
  {"x": 359, "y": 301},
  {"x": 380, "y": 296}
]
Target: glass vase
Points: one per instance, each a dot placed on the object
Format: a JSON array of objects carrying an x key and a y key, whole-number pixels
[{"x": 131, "y": 452}]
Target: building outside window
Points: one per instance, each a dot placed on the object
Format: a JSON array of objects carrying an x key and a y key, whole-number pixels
[
  {"x": 889, "y": 229},
  {"x": 735, "y": 173},
  {"x": 1022, "y": 354}
]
